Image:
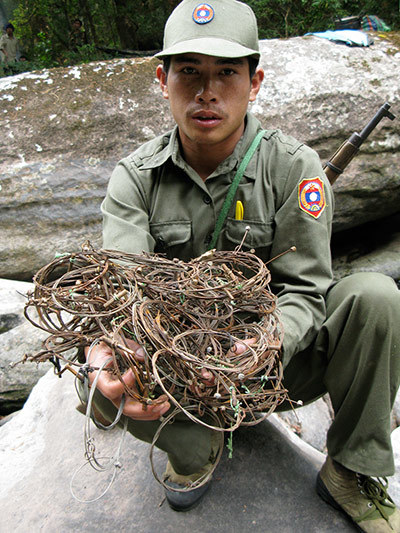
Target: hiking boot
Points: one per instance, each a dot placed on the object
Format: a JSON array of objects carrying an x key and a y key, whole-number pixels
[
  {"x": 187, "y": 500},
  {"x": 362, "y": 498},
  {"x": 184, "y": 500}
]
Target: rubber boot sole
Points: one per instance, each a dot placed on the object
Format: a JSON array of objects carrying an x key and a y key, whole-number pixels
[{"x": 185, "y": 501}]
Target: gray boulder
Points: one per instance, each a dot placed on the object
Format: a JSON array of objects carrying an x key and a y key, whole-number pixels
[
  {"x": 65, "y": 128},
  {"x": 17, "y": 338},
  {"x": 373, "y": 248},
  {"x": 320, "y": 93},
  {"x": 311, "y": 422},
  {"x": 395, "y": 480},
  {"x": 267, "y": 486}
]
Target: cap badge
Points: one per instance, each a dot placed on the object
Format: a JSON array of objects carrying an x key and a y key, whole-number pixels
[
  {"x": 203, "y": 13},
  {"x": 312, "y": 196}
]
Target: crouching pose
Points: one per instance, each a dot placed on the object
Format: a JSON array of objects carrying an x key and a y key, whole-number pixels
[{"x": 340, "y": 338}]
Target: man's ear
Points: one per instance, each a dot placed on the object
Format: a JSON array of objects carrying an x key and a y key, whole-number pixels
[
  {"x": 256, "y": 81},
  {"x": 162, "y": 78}
]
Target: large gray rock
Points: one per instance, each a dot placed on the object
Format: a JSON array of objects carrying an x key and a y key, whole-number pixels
[
  {"x": 395, "y": 480},
  {"x": 57, "y": 206},
  {"x": 375, "y": 248},
  {"x": 64, "y": 129},
  {"x": 267, "y": 486},
  {"x": 311, "y": 422},
  {"x": 321, "y": 92},
  {"x": 17, "y": 338}
]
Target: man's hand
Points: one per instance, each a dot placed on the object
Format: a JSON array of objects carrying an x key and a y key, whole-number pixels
[{"x": 112, "y": 388}]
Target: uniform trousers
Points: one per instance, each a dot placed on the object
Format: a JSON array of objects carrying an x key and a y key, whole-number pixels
[{"x": 355, "y": 357}]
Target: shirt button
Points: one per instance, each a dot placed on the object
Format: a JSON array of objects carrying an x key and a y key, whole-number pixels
[{"x": 206, "y": 199}]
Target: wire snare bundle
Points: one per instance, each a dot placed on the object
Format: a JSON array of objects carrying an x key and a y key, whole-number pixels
[{"x": 214, "y": 313}]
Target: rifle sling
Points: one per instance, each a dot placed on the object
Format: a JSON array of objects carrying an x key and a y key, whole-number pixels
[{"x": 233, "y": 188}]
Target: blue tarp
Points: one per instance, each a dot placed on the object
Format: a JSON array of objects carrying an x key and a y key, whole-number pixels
[{"x": 349, "y": 37}]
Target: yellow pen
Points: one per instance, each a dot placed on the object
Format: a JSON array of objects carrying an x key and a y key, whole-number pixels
[{"x": 239, "y": 211}]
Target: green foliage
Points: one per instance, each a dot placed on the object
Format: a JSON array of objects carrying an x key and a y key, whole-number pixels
[
  {"x": 44, "y": 52},
  {"x": 84, "y": 54},
  {"x": 289, "y": 18},
  {"x": 119, "y": 24},
  {"x": 286, "y": 18}
]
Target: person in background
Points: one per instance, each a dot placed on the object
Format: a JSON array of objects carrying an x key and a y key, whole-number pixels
[
  {"x": 77, "y": 37},
  {"x": 9, "y": 45}
]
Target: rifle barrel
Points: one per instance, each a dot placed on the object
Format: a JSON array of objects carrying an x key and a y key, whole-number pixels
[
  {"x": 382, "y": 112},
  {"x": 342, "y": 157}
]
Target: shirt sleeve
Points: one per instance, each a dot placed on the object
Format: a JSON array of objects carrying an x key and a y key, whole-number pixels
[
  {"x": 125, "y": 212},
  {"x": 301, "y": 279}
]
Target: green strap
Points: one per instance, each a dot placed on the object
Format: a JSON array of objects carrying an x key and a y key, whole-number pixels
[{"x": 233, "y": 188}]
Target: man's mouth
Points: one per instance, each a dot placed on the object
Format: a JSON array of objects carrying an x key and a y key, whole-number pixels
[{"x": 206, "y": 118}]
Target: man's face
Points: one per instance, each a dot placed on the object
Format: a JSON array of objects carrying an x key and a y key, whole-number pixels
[
  {"x": 209, "y": 96},
  {"x": 9, "y": 32}
]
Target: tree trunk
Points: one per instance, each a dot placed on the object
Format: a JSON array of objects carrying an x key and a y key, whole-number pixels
[
  {"x": 126, "y": 26},
  {"x": 88, "y": 17}
]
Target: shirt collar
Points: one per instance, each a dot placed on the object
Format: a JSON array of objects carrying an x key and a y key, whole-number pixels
[
  {"x": 233, "y": 161},
  {"x": 172, "y": 150}
]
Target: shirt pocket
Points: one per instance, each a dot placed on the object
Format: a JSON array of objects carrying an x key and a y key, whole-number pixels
[
  {"x": 173, "y": 238},
  {"x": 259, "y": 237}
]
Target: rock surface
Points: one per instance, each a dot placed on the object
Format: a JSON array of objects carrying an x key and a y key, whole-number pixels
[
  {"x": 64, "y": 130},
  {"x": 395, "y": 480},
  {"x": 311, "y": 422},
  {"x": 267, "y": 486},
  {"x": 263, "y": 488},
  {"x": 375, "y": 247},
  {"x": 17, "y": 337}
]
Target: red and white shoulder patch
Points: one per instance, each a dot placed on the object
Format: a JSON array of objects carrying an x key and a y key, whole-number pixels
[{"x": 312, "y": 196}]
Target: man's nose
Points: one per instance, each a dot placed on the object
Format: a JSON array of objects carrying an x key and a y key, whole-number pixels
[{"x": 206, "y": 92}]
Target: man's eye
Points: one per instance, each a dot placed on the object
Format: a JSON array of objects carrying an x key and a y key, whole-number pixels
[
  {"x": 228, "y": 72},
  {"x": 188, "y": 70}
]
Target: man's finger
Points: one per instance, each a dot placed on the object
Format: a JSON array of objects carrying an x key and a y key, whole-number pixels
[
  {"x": 135, "y": 347},
  {"x": 110, "y": 386},
  {"x": 207, "y": 377},
  {"x": 136, "y": 410},
  {"x": 240, "y": 347},
  {"x": 129, "y": 378}
]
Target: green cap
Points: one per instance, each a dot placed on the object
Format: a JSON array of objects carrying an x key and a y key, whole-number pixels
[{"x": 221, "y": 28}]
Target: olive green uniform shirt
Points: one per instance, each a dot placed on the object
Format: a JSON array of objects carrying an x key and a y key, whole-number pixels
[{"x": 157, "y": 202}]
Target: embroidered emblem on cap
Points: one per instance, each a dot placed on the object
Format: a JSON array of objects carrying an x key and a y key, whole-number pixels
[
  {"x": 203, "y": 13},
  {"x": 312, "y": 196}
]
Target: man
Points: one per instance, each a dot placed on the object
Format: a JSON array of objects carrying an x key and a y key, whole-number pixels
[
  {"x": 166, "y": 196},
  {"x": 9, "y": 45},
  {"x": 77, "y": 37}
]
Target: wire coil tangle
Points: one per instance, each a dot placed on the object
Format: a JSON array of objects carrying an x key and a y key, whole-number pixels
[{"x": 213, "y": 313}]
